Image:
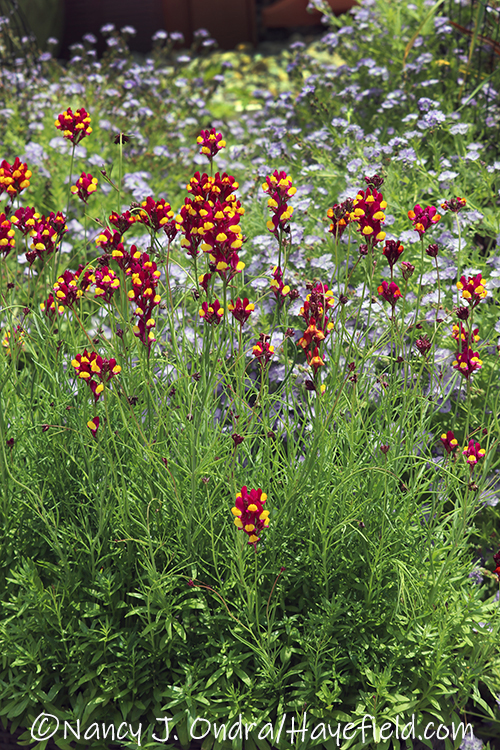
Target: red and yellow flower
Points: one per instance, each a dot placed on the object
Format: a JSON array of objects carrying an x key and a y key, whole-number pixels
[
  {"x": 263, "y": 351},
  {"x": 159, "y": 215},
  {"x": 144, "y": 275},
  {"x": 93, "y": 425},
  {"x": 211, "y": 143},
  {"x": 340, "y": 214},
  {"x": 241, "y": 309},
  {"x": 278, "y": 287},
  {"x": 449, "y": 441},
  {"x": 74, "y": 126},
  {"x": 212, "y": 313},
  {"x": 123, "y": 221},
  {"x": 66, "y": 288},
  {"x": 467, "y": 362},
  {"x": 455, "y": 205},
  {"x": 90, "y": 366},
  {"x": 473, "y": 452},
  {"x": 314, "y": 360},
  {"x": 423, "y": 218},
  {"x": 461, "y": 335},
  {"x": 7, "y": 241},
  {"x": 390, "y": 292},
  {"x": 16, "y": 340},
  {"x": 106, "y": 283},
  {"x": 85, "y": 186},
  {"x": 50, "y": 307},
  {"x": 368, "y": 212},
  {"x": 14, "y": 178},
  {"x": 279, "y": 188},
  {"x": 473, "y": 289},
  {"x": 392, "y": 251},
  {"x": 45, "y": 233},
  {"x": 249, "y": 514}
]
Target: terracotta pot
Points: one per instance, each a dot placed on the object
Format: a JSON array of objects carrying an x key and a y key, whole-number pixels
[{"x": 288, "y": 13}]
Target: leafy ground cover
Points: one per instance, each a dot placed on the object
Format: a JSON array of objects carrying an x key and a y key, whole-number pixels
[{"x": 249, "y": 421}]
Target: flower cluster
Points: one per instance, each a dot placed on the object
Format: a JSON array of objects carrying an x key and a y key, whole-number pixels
[
  {"x": 209, "y": 220},
  {"x": 221, "y": 235},
  {"x": 449, "y": 441},
  {"x": 314, "y": 312},
  {"x": 25, "y": 219},
  {"x": 75, "y": 126},
  {"x": 111, "y": 244},
  {"x": 205, "y": 188},
  {"x": 7, "y": 241},
  {"x": 249, "y": 514},
  {"x": 14, "y": 178},
  {"x": 85, "y": 186},
  {"x": 263, "y": 350},
  {"x": 461, "y": 335},
  {"x": 111, "y": 241},
  {"x": 314, "y": 360},
  {"x": 455, "y": 205},
  {"x": 212, "y": 313},
  {"x": 17, "y": 340},
  {"x": 90, "y": 366},
  {"x": 66, "y": 288},
  {"x": 159, "y": 215},
  {"x": 423, "y": 345},
  {"x": 368, "y": 212},
  {"x": 467, "y": 362},
  {"x": 106, "y": 282},
  {"x": 473, "y": 453},
  {"x": 122, "y": 221},
  {"x": 50, "y": 307},
  {"x": 390, "y": 292},
  {"x": 423, "y": 218},
  {"x": 45, "y": 232},
  {"x": 241, "y": 309},
  {"x": 340, "y": 214},
  {"x": 278, "y": 287},
  {"x": 279, "y": 188},
  {"x": 473, "y": 290},
  {"x": 211, "y": 143},
  {"x": 144, "y": 276},
  {"x": 392, "y": 251}
]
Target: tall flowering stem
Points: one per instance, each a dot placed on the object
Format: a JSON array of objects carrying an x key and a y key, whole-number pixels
[
  {"x": 144, "y": 276},
  {"x": 466, "y": 360},
  {"x": 340, "y": 217},
  {"x": 455, "y": 205},
  {"x": 250, "y": 515},
  {"x": 368, "y": 213},
  {"x": 211, "y": 143},
  {"x": 432, "y": 251},
  {"x": 74, "y": 127},
  {"x": 158, "y": 215},
  {"x": 422, "y": 220},
  {"x": 314, "y": 313},
  {"x": 14, "y": 178},
  {"x": 279, "y": 187}
]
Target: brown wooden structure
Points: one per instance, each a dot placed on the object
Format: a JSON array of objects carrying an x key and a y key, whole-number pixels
[{"x": 230, "y": 22}]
